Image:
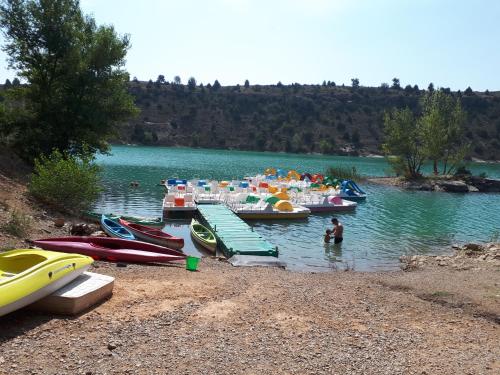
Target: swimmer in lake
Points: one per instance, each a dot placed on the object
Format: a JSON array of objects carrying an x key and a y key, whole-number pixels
[
  {"x": 338, "y": 231},
  {"x": 328, "y": 236}
]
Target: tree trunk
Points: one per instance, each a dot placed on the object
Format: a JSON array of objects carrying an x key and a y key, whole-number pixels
[{"x": 435, "y": 164}]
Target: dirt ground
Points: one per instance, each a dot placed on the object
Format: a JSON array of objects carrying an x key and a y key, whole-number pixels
[
  {"x": 436, "y": 319},
  {"x": 227, "y": 320}
]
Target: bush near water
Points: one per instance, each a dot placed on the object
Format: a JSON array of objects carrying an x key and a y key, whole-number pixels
[
  {"x": 341, "y": 172},
  {"x": 66, "y": 182}
]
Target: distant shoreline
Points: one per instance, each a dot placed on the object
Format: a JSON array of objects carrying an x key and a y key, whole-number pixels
[{"x": 362, "y": 155}]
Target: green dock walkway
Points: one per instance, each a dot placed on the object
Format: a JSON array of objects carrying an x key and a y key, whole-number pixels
[{"x": 234, "y": 236}]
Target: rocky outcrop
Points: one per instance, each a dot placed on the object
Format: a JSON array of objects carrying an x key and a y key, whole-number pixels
[
  {"x": 485, "y": 185},
  {"x": 82, "y": 229},
  {"x": 452, "y": 185},
  {"x": 465, "y": 257}
]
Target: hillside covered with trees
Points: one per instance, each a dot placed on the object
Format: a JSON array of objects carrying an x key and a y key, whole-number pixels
[{"x": 322, "y": 118}]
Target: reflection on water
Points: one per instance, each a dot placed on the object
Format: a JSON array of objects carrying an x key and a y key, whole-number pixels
[{"x": 390, "y": 223}]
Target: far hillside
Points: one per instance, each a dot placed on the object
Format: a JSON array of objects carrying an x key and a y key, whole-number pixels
[{"x": 323, "y": 118}]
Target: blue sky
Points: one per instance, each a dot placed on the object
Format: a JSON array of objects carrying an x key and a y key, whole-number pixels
[{"x": 453, "y": 43}]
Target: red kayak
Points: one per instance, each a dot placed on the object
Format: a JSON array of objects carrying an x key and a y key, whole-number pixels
[
  {"x": 112, "y": 249},
  {"x": 153, "y": 235}
]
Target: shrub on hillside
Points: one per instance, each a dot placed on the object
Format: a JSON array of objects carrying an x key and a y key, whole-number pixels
[
  {"x": 18, "y": 224},
  {"x": 66, "y": 182}
]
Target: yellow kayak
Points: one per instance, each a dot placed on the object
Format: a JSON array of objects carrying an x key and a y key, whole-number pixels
[{"x": 29, "y": 275}]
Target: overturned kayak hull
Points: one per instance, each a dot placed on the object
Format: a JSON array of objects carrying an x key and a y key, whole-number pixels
[{"x": 45, "y": 272}]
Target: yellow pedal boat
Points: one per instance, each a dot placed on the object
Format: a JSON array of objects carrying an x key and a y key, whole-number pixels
[{"x": 29, "y": 275}]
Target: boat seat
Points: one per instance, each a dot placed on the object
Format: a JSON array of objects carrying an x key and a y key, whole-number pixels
[
  {"x": 337, "y": 200},
  {"x": 169, "y": 198}
]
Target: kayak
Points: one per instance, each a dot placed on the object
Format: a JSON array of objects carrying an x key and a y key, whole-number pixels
[
  {"x": 153, "y": 235},
  {"x": 151, "y": 221},
  {"x": 203, "y": 236},
  {"x": 27, "y": 275},
  {"x": 112, "y": 249},
  {"x": 113, "y": 229}
]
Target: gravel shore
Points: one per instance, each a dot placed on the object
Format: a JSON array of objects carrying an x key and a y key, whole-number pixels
[{"x": 226, "y": 320}]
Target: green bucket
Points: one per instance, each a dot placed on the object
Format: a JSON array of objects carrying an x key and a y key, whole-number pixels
[{"x": 192, "y": 263}]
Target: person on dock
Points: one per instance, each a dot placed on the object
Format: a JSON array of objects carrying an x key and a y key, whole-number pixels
[{"x": 338, "y": 231}]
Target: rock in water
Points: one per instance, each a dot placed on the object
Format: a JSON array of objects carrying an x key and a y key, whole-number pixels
[{"x": 453, "y": 186}]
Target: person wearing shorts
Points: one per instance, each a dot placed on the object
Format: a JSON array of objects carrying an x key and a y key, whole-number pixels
[{"x": 338, "y": 231}]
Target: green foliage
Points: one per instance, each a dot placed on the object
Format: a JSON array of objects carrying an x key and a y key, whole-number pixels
[
  {"x": 18, "y": 224},
  {"x": 67, "y": 182},
  {"x": 398, "y": 166},
  {"x": 76, "y": 91},
  {"x": 342, "y": 172},
  {"x": 402, "y": 141},
  {"x": 437, "y": 135},
  {"x": 326, "y": 146},
  {"x": 192, "y": 84},
  {"x": 355, "y": 83},
  {"x": 160, "y": 79},
  {"x": 442, "y": 130},
  {"x": 395, "y": 84}
]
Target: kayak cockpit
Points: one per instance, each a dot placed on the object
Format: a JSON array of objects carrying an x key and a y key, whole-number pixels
[{"x": 19, "y": 263}]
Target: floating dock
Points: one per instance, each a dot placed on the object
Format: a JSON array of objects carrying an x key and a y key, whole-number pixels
[{"x": 234, "y": 236}]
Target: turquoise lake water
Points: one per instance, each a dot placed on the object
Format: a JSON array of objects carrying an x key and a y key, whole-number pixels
[{"x": 389, "y": 224}]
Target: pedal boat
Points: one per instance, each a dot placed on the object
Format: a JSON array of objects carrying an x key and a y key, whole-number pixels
[{"x": 27, "y": 275}]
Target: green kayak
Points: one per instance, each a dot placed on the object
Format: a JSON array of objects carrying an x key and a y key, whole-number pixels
[
  {"x": 96, "y": 217},
  {"x": 203, "y": 236}
]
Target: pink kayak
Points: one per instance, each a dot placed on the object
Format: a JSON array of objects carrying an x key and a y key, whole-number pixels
[{"x": 112, "y": 249}]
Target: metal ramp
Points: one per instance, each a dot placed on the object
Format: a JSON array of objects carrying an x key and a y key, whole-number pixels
[{"x": 234, "y": 236}]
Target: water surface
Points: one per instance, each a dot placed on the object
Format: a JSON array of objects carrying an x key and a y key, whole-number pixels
[{"x": 389, "y": 224}]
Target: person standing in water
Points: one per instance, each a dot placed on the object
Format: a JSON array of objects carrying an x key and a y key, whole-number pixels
[{"x": 338, "y": 231}]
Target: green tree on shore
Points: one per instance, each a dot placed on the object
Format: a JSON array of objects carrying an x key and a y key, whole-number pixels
[
  {"x": 437, "y": 135},
  {"x": 442, "y": 130},
  {"x": 76, "y": 87},
  {"x": 403, "y": 142}
]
